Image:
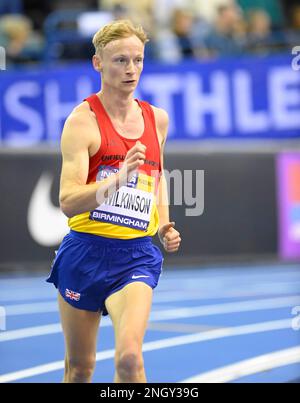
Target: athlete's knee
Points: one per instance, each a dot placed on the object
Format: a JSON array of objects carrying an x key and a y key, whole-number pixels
[
  {"x": 129, "y": 363},
  {"x": 80, "y": 371}
]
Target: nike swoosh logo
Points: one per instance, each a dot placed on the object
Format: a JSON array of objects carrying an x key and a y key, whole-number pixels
[
  {"x": 46, "y": 223},
  {"x": 135, "y": 277}
]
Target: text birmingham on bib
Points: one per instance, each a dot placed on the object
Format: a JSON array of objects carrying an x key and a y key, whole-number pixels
[{"x": 129, "y": 206}]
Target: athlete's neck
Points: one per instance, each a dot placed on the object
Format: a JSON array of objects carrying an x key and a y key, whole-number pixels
[{"x": 118, "y": 107}]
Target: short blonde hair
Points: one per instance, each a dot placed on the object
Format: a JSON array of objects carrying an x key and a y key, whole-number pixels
[{"x": 117, "y": 30}]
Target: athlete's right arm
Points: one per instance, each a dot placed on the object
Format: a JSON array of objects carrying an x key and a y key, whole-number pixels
[{"x": 75, "y": 195}]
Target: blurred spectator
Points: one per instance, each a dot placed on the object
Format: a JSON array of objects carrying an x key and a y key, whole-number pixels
[
  {"x": 226, "y": 37},
  {"x": 287, "y": 7},
  {"x": 259, "y": 31},
  {"x": 293, "y": 33},
  {"x": 259, "y": 23},
  {"x": 200, "y": 9},
  {"x": 182, "y": 23},
  {"x": 262, "y": 38},
  {"x": 272, "y": 7},
  {"x": 208, "y": 10},
  {"x": 175, "y": 43},
  {"x": 295, "y": 18},
  {"x": 139, "y": 12},
  {"x": 20, "y": 42}
]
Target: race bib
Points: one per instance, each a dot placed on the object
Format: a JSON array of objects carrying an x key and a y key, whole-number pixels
[{"x": 131, "y": 205}]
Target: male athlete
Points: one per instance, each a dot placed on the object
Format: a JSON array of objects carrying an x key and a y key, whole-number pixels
[{"x": 114, "y": 192}]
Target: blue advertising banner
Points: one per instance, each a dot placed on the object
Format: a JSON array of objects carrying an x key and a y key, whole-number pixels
[{"x": 246, "y": 98}]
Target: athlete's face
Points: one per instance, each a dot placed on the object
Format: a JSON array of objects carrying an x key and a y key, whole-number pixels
[{"x": 121, "y": 63}]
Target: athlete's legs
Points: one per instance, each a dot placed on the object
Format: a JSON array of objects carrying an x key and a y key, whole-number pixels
[
  {"x": 129, "y": 310},
  {"x": 80, "y": 329}
]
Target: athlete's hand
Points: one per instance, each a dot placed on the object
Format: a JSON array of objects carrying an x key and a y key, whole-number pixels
[
  {"x": 169, "y": 237},
  {"x": 135, "y": 158}
]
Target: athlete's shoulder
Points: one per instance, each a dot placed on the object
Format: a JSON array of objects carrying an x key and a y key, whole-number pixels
[
  {"x": 80, "y": 128},
  {"x": 81, "y": 115},
  {"x": 161, "y": 119}
]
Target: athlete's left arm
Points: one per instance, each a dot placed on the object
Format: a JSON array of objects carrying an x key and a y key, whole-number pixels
[{"x": 168, "y": 235}]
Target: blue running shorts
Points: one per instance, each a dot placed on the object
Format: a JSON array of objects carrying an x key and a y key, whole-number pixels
[{"x": 89, "y": 268}]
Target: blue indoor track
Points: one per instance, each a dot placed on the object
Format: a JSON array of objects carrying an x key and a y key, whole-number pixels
[{"x": 216, "y": 324}]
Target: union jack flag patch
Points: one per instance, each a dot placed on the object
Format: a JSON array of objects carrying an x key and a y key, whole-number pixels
[{"x": 75, "y": 296}]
